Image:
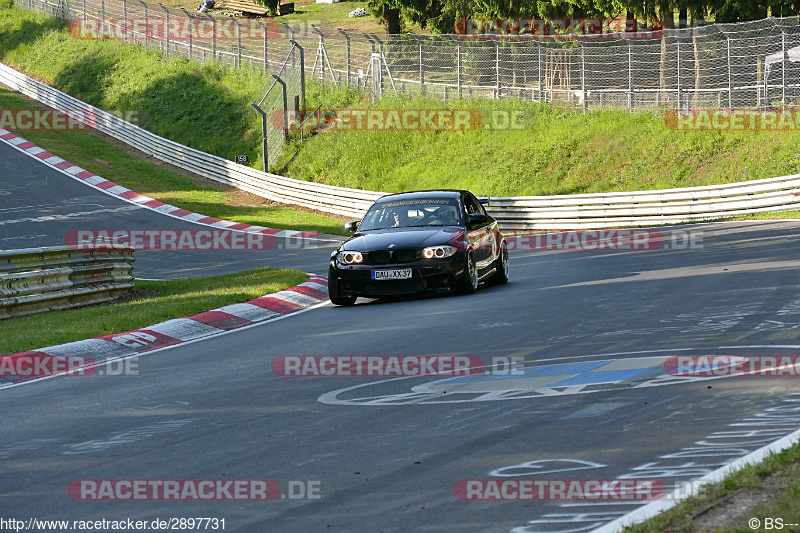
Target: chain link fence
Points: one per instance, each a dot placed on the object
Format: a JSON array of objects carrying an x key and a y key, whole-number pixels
[
  {"x": 280, "y": 101},
  {"x": 727, "y": 66},
  {"x": 748, "y": 65}
]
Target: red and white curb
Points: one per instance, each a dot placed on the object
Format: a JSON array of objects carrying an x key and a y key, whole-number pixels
[
  {"x": 123, "y": 193},
  {"x": 180, "y": 330}
]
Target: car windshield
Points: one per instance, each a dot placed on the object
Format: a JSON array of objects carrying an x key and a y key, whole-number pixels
[{"x": 417, "y": 212}]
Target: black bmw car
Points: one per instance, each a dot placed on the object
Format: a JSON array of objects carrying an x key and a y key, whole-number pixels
[{"x": 418, "y": 241}]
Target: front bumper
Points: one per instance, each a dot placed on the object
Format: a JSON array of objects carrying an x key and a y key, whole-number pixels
[{"x": 428, "y": 275}]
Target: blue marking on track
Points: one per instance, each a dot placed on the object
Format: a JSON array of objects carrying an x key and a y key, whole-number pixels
[
  {"x": 601, "y": 376},
  {"x": 564, "y": 369}
]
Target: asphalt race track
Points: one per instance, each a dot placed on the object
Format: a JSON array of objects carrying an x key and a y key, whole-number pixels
[
  {"x": 39, "y": 205},
  {"x": 593, "y": 401}
]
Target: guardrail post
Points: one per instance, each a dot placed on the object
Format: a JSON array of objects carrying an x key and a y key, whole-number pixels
[
  {"x": 497, "y": 70},
  {"x": 166, "y": 30},
  {"x": 103, "y": 16},
  {"x": 539, "y": 71},
  {"x": 264, "y": 134},
  {"x": 146, "y": 22},
  {"x": 382, "y": 61},
  {"x": 346, "y": 36},
  {"x": 85, "y": 15},
  {"x": 421, "y": 70},
  {"x": 191, "y": 30},
  {"x": 285, "y": 107},
  {"x": 238, "y": 44},
  {"x": 730, "y": 77},
  {"x": 458, "y": 66},
  {"x": 213, "y": 38},
  {"x": 630, "y": 78},
  {"x": 302, "y": 72},
  {"x": 320, "y": 54},
  {"x": 783, "y": 69},
  {"x": 370, "y": 68},
  {"x": 420, "y": 41},
  {"x": 266, "y": 59},
  {"x": 289, "y": 29},
  {"x": 291, "y": 39},
  {"x": 679, "y": 75},
  {"x": 583, "y": 79}
]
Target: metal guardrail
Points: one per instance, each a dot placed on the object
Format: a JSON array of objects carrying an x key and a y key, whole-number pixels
[
  {"x": 35, "y": 280},
  {"x": 513, "y": 213},
  {"x": 665, "y": 206}
]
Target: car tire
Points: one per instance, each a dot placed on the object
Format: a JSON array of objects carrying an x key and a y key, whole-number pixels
[
  {"x": 334, "y": 292},
  {"x": 467, "y": 283},
  {"x": 501, "y": 266}
]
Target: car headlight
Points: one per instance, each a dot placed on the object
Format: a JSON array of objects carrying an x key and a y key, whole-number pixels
[
  {"x": 350, "y": 258},
  {"x": 438, "y": 252}
]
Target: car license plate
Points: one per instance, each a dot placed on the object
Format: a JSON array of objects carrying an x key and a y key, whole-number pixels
[{"x": 400, "y": 273}]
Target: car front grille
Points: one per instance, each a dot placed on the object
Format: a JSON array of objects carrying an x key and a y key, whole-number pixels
[{"x": 391, "y": 257}]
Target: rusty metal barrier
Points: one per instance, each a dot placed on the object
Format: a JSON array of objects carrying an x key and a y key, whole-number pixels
[{"x": 35, "y": 280}]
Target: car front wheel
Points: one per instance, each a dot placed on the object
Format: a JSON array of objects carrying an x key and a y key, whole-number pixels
[
  {"x": 467, "y": 283},
  {"x": 335, "y": 292},
  {"x": 501, "y": 266}
]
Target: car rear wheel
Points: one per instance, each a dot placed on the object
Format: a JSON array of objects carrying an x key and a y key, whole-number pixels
[
  {"x": 501, "y": 266},
  {"x": 467, "y": 283},
  {"x": 335, "y": 292}
]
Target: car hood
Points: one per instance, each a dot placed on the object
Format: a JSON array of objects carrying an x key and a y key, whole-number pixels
[{"x": 402, "y": 238}]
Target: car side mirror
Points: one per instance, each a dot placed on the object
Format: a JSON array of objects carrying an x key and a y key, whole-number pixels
[
  {"x": 476, "y": 219},
  {"x": 351, "y": 226}
]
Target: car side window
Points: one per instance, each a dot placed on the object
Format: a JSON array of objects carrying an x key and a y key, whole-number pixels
[{"x": 473, "y": 205}]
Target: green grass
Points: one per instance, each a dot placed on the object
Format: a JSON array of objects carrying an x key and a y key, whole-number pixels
[
  {"x": 162, "y": 300},
  {"x": 781, "y": 468},
  {"x": 558, "y": 152}
]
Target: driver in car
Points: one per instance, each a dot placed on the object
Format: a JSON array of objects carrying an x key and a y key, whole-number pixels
[
  {"x": 398, "y": 218},
  {"x": 449, "y": 217}
]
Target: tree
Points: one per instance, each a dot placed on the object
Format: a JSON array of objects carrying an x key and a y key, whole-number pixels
[{"x": 388, "y": 12}]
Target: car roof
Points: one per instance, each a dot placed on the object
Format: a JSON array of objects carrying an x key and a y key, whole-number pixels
[{"x": 434, "y": 193}]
